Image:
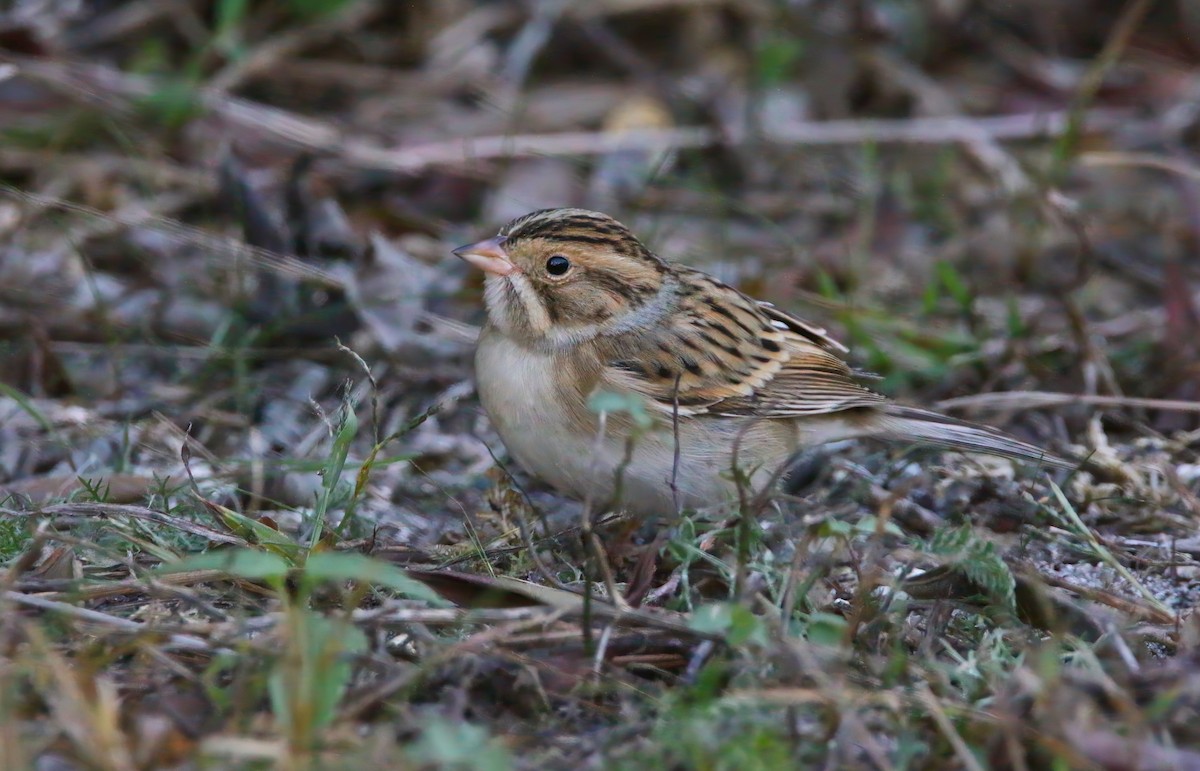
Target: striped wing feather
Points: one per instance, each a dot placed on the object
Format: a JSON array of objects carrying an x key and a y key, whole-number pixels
[{"x": 724, "y": 353}]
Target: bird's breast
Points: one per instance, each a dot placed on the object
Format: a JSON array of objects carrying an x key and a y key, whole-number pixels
[{"x": 537, "y": 404}]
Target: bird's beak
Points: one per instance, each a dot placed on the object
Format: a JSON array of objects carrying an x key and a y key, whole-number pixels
[{"x": 489, "y": 256}]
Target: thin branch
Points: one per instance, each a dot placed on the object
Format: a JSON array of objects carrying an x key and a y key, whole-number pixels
[
  {"x": 98, "y": 86},
  {"x": 950, "y": 130},
  {"x": 178, "y": 641},
  {"x": 1031, "y": 400}
]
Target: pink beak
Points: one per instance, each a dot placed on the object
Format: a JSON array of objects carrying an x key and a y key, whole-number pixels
[{"x": 489, "y": 256}]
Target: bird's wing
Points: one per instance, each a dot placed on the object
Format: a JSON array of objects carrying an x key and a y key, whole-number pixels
[{"x": 723, "y": 353}]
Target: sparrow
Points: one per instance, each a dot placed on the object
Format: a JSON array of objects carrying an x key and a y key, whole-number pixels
[{"x": 577, "y": 305}]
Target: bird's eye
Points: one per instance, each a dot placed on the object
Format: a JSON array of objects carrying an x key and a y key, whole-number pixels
[{"x": 557, "y": 265}]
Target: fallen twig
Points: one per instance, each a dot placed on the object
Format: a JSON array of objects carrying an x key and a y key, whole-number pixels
[{"x": 1032, "y": 400}]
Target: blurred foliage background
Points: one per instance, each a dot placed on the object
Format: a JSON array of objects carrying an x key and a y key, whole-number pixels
[{"x": 226, "y": 224}]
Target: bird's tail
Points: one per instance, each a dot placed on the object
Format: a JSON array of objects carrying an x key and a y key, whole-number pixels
[{"x": 917, "y": 425}]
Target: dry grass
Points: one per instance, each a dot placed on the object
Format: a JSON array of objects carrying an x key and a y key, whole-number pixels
[{"x": 250, "y": 512}]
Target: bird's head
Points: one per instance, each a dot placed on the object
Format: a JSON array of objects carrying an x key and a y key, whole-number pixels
[{"x": 559, "y": 277}]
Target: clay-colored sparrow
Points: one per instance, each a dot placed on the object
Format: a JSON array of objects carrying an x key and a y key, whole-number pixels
[{"x": 576, "y": 305}]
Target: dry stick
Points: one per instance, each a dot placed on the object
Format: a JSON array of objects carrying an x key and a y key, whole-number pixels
[
  {"x": 390, "y": 617},
  {"x": 789, "y": 696},
  {"x": 608, "y": 44},
  {"x": 601, "y": 649},
  {"x": 1132, "y": 608},
  {"x": 1102, "y": 551},
  {"x": 1140, "y": 160},
  {"x": 366, "y": 368},
  {"x": 183, "y": 642},
  {"x": 96, "y": 84},
  {"x": 519, "y": 619},
  {"x": 831, "y": 133},
  {"x": 1089, "y": 86},
  {"x": 870, "y": 567},
  {"x": 1029, "y": 400},
  {"x": 148, "y": 584},
  {"x": 92, "y": 511},
  {"x": 166, "y": 585}
]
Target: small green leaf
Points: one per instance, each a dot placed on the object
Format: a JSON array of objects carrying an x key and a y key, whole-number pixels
[
  {"x": 26, "y": 403},
  {"x": 461, "y": 746},
  {"x": 314, "y": 9},
  {"x": 954, "y": 284},
  {"x": 1014, "y": 322},
  {"x": 713, "y": 618},
  {"x": 734, "y": 621},
  {"x": 331, "y": 472},
  {"x": 826, "y": 629},
  {"x": 929, "y": 298},
  {"x": 173, "y": 102},
  {"x": 348, "y": 566},
  {"x": 978, "y": 560},
  {"x": 251, "y": 564},
  {"x": 831, "y": 528},
  {"x": 629, "y": 403},
  {"x": 869, "y": 524},
  {"x": 349, "y": 427},
  {"x": 826, "y": 286},
  {"x": 309, "y": 680},
  {"x": 230, "y": 14},
  {"x": 777, "y": 57},
  {"x": 256, "y": 533}
]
